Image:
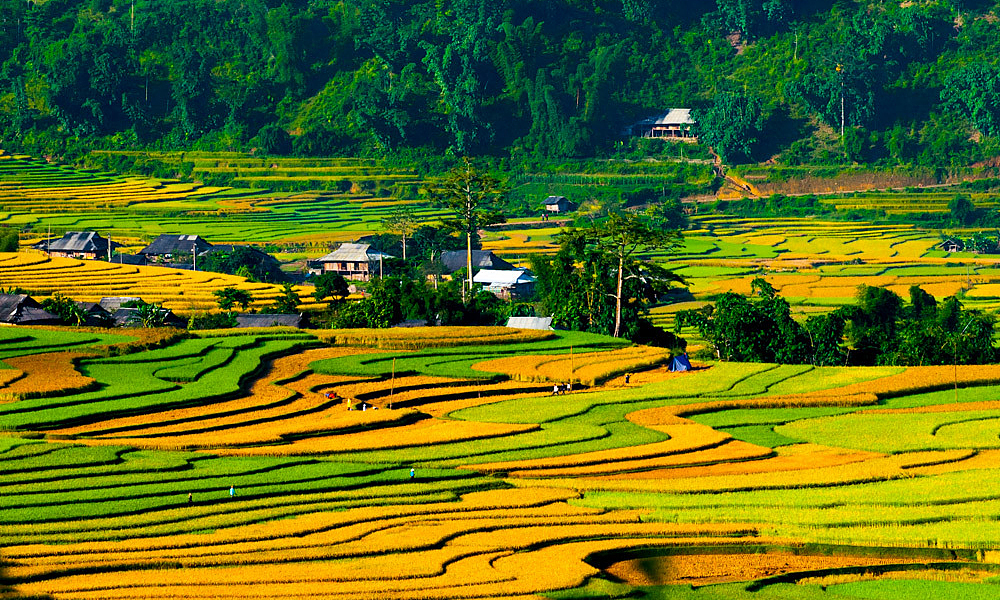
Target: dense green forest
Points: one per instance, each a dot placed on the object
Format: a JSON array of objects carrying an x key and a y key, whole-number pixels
[{"x": 802, "y": 81}]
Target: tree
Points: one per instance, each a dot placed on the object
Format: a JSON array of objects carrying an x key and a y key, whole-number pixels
[
  {"x": 963, "y": 211},
  {"x": 288, "y": 302},
  {"x": 68, "y": 311},
  {"x": 401, "y": 221},
  {"x": 473, "y": 195},
  {"x": 228, "y": 297},
  {"x": 731, "y": 125},
  {"x": 974, "y": 93},
  {"x": 753, "y": 18},
  {"x": 330, "y": 284},
  {"x": 624, "y": 235},
  {"x": 148, "y": 315}
]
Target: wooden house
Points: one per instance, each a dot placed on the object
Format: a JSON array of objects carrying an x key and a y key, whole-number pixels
[
  {"x": 78, "y": 244},
  {"x": 558, "y": 204},
  {"x": 356, "y": 262},
  {"x": 21, "y": 309},
  {"x": 674, "y": 124},
  {"x": 168, "y": 248}
]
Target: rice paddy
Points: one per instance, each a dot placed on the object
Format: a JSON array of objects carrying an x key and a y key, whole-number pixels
[{"x": 276, "y": 465}]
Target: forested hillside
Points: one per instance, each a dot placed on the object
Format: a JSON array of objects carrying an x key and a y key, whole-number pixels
[{"x": 800, "y": 81}]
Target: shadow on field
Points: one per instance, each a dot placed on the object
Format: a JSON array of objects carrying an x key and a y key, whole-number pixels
[{"x": 8, "y": 591}]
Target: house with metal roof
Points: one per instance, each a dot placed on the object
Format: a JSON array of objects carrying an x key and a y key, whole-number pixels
[
  {"x": 506, "y": 284},
  {"x": 454, "y": 260},
  {"x": 357, "y": 262},
  {"x": 78, "y": 244},
  {"x": 558, "y": 204},
  {"x": 543, "y": 323},
  {"x": 244, "y": 320},
  {"x": 169, "y": 247},
  {"x": 674, "y": 124},
  {"x": 21, "y": 309}
]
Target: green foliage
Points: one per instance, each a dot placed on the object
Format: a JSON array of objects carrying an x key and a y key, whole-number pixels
[
  {"x": 574, "y": 287},
  {"x": 974, "y": 93},
  {"x": 878, "y": 330},
  {"x": 244, "y": 261},
  {"x": 330, "y": 285},
  {"x": 287, "y": 301},
  {"x": 65, "y": 308},
  {"x": 731, "y": 125},
  {"x": 9, "y": 239},
  {"x": 229, "y": 297}
]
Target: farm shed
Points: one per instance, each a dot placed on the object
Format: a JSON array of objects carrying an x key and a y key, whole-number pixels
[
  {"x": 357, "y": 262},
  {"x": 454, "y": 260},
  {"x": 129, "y": 317},
  {"x": 543, "y": 323},
  {"x": 558, "y": 204},
  {"x": 167, "y": 246},
  {"x": 263, "y": 320},
  {"x": 21, "y": 309},
  {"x": 506, "y": 284},
  {"x": 675, "y": 124},
  {"x": 78, "y": 244},
  {"x": 952, "y": 245}
]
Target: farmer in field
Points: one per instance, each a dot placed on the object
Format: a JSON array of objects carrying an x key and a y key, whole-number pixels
[
  {"x": 232, "y": 491},
  {"x": 190, "y": 498},
  {"x": 413, "y": 473}
]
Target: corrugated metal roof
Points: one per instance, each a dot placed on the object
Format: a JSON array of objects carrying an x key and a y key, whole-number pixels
[
  {"x": 544, "y": 323},
  {"x": 79, "y": 241},
  {"x": 354, "y": 253},
  {"x": 176, "y": 244},
  {"x": 494, "y": 277},
  {"x": 555, "y": 200},
  {"x": 266, "y": 320},
  {"x": 673, "y": 116}
]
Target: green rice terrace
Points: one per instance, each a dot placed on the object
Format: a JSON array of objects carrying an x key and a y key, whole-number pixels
[{"x": 438, "y": 464}]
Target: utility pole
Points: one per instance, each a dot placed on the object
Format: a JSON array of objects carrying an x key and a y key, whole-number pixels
[
  {"x": 194, "y": 256},
  {"x": 840, "y": 73}
]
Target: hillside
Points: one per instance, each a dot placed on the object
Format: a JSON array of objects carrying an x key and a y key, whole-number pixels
[{"x": 813, "y": 81}]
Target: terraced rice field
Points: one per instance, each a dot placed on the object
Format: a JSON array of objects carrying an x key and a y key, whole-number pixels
[
  {"x": 230, "y": 467},
  {"x": 89, "y": 281},
  {"x": 43, "y": 196}
]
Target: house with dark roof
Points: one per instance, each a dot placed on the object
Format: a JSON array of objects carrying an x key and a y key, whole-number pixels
[
  {"x": 506, "y": 284},
  {"x": 21, "y": 309},
  {"x": 266, "y": 320},
  {"x": 131, "y": 317},
  {"x": 453, "y": 260},
  {"x": 78, "y": 244},
  {"x": 95, "y": 315},
  {"x": 357, "y": 262},
  {"x": 558, "y": 204},
  {"x": 169, "y": 247},
  {"x": 112, "y": 303},
  {"x": 673, "y": 124}
]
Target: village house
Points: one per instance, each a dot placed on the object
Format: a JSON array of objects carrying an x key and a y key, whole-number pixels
[
  {"x": 558, "y": 204},
  {"x": 674, "y": 124},
  {"x": 454, "y": 260},
  {"x": 95, "y": 315},
  {"x": 169, "y": 247},
  {"x": 78, "y": 244},
  {"x": 355, "y": 262},
  {"x": 506, "y": 284},
  {"x": 245, "y": 320},
  {"x": 21, "y": 309}
]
